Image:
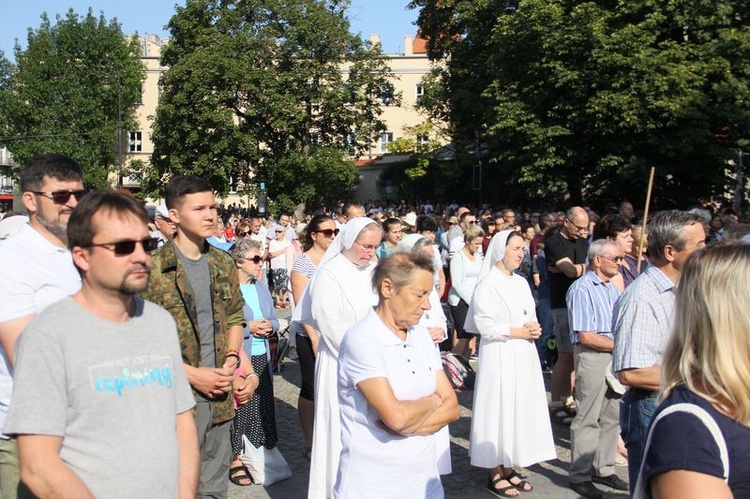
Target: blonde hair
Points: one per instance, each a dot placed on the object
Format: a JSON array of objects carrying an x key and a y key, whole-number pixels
[
  {"x": 472, "y": 232},
  {"x": 709, "y": 350}
]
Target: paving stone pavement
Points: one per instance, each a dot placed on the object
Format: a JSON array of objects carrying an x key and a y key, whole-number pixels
[{"x": 550, "y": 479}]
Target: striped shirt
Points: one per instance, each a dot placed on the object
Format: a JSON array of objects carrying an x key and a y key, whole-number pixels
[
  {"x": 642, "y": 321},
  {"x": 590, "y": 302},
  {"x": 304, "y": 266}
]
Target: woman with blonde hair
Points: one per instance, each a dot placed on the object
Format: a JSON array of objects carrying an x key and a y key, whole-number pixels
[{"x": 699, "y": 438}]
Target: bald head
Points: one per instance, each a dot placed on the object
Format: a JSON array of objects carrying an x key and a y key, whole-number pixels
[{"x": 576, "y": 223}]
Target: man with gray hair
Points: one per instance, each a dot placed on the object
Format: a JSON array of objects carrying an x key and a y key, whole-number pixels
[
  {"x": 594, "y": 430},
  {"x": 643, "y": 323}
]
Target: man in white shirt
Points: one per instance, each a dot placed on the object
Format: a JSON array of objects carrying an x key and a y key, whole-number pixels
[{"x": 37, "y": 271}]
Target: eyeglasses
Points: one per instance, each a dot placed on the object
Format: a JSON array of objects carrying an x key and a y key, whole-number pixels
[
  {"x": 279, "y": 231},
  {"x": 581, "y": 229},
  {"x": 471, "y": 221},
  {"x": 61, "y": 197},
  {"x": 367, "y": 247},
  {"x": 122, "y": 248},
  {"x": 256, "y": 259},
  {"x": 617, "y": 259},
  {"x": 328, "y": 232},
  {"x": 243, "y": 234}
]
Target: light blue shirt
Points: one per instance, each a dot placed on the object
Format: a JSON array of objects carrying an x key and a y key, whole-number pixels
[
  {"x": 590, "y": 302},
  {"x": 642, "y": 321},
  {"x": 250, "y": 294}
]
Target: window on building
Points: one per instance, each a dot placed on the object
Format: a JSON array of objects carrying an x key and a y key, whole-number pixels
[
  {"x": 350, "y": 143},
  {"x": 423, "y": 140},
  {"x": 385, "y": 139},
  {"x": 419, "y": 93},
  {"x": 135, "y": 141}
]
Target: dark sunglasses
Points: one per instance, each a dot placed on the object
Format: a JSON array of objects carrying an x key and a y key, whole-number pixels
[
  {"x": 328, "y": 232},
  {"x": 122, "y": 248},
  {"x": 61, "y": 197},
  {"x": 242, "y": 234},
  {"x": 256, "y": 259}
]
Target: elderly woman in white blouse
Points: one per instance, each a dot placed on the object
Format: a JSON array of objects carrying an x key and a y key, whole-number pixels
[
  {"x": 511, "y": 425},
  {"x": 393, "y": 393}
]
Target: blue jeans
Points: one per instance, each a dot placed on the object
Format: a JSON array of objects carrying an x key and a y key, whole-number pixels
[
  {"x": 636, "y": 412},
  {"x": 544, "y": 314}
]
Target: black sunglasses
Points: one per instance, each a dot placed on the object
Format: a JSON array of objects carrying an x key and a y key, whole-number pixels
[
  {"x": 328, "y": 232},
  {"x": 256, "y": 259},
  {"x": 122, "y": 248},
  {"x": 61, "y": 197},
  {"x": 242, "y": 234}
]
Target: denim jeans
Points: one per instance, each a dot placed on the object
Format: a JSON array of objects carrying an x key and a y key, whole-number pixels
[
  {"x": 544, "y": 315},
  {"x": 636, "y": 412}
]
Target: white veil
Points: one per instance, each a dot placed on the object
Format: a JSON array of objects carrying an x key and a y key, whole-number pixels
[
  {"x": 495, "y": 253},
  {"x": 349, "y": 233}
]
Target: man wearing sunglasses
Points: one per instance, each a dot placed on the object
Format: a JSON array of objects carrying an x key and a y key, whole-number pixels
[
  {"x": 198, "y": 284},
  {"x": 111, "y": 388},
  {"x": 36, "y": 271}
]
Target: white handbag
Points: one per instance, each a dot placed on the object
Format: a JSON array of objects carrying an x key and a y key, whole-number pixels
[{"x": 266, "y": 466}]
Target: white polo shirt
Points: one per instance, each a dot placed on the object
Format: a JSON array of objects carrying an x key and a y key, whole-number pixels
[
  {"x": 375, "y": 463},
  {"x": 34, "y": 274}
]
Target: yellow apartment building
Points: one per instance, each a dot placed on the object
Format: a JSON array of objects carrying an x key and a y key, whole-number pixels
[{"x": 407, "y": 70}]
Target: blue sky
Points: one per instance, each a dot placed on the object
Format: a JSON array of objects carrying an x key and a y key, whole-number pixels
[{"x": 390, "y": 18}]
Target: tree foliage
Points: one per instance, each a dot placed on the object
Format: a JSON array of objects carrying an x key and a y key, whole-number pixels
[
  {"x": 586, "y": 96},
  {"x": 255, "y": 91},
  {"x": 61, "y": 95}
]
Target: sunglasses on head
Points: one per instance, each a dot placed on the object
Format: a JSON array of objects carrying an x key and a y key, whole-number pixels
[
  {"x": 256, "y": 259},
  {"x": 328, "y": 232},
  {"x": 61, "y": 197},
  {"x": 122, "y": 248}
]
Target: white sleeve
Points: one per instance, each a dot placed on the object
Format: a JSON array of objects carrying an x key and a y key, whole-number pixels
[
  {"x": 329, "y": 308},
  {"x": 362, "y": 358},
  {"x": 457, "y": 277},
  {"x": 491, "y": 312}
]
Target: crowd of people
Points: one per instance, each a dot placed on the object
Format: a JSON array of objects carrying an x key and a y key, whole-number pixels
[{"x": 142, "y": 336}]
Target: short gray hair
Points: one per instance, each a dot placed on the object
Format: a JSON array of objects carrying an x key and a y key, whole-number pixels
[
  {"x": 243, "y": 247},
  {"x": 666, "y": 228},
  {"x": 599, "y": 248}
]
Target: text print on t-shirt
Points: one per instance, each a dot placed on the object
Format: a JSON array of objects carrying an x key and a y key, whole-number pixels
[{"x": 129, "y": 373}]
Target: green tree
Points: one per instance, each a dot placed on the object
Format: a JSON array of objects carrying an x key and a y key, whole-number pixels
[
  {"x": 255, "y": 91},
  {"x": 584, "y": 97},
  {"x": 61, "y": 95}
]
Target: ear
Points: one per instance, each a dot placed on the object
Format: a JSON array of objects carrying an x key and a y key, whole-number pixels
[
  {"x": 386, "y": 288},
  {"x": 669, "y": 252},
  {"x": 174, "y": 216},
  {"x": 80, "y": 258},
  {"x": 29, "y": 201}
]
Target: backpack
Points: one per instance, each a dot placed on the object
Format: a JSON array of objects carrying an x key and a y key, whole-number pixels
[{"x": 460, "y": 374}]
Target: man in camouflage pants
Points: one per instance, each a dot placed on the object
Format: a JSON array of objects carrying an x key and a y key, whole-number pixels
[{"x": 198, "y": 285}]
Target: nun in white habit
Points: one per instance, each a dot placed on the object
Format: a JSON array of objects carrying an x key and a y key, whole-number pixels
[
  {"x": 339, "y": 295},
  {"x": 434, "y": 323},
  {"x": 511, "y": 425}
]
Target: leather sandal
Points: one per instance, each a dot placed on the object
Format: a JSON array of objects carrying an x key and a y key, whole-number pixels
[
  {"x": 501, "y": 491},
  {"x": 238, "y": 476},
  {"x": 521, "y": 484}
]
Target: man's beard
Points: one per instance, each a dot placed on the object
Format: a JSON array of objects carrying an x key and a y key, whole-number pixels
[
  {"x": 57, "y": 228},
  {"x": 129, "y": 289}
]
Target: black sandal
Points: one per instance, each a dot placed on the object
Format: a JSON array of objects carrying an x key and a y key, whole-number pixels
[
  {"x": 502, "y": 491},
  {"x": 521, "y": 484},
  {"x": 238, "y": 475}
]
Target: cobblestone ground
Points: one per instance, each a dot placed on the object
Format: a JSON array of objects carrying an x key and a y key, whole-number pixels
[{"x": 550, "y": 479}]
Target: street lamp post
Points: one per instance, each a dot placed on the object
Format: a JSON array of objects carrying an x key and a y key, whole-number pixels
[{"x": 119, "y": 134}]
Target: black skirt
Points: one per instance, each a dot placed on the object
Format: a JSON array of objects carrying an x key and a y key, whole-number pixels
[{"x": 257, "y": 419}]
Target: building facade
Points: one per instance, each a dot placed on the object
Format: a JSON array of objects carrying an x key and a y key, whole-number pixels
[{"x": 407, "y": 70}]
